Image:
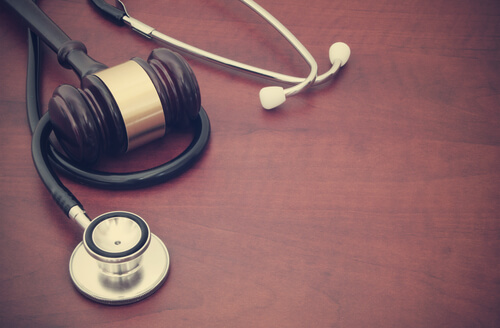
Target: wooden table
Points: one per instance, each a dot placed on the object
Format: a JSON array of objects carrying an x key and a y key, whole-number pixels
[{"x": 372, "y": 201}]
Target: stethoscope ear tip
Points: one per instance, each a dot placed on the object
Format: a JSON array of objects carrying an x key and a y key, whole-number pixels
[
  {"x": 339, "y": 51},
  {"x": 272, "y": 97}
]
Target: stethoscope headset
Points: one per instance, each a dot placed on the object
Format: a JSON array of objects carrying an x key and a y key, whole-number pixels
[
  {"x": 115, "y": 110},
  {"x": 270, "y": 97}
]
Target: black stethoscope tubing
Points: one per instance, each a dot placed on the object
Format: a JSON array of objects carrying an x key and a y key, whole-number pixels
[{"x": 45, "y": 155}]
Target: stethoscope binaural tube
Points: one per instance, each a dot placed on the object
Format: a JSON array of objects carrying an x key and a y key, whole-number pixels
[{"x": 270, "y": 97}]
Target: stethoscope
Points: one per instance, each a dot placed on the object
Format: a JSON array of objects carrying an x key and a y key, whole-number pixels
[
  {"x": 270, "y": 97},
  {"x": 117, "y": 109}
]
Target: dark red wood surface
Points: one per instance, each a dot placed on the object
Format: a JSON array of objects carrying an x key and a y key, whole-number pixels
[{"x": 373, "y": 201}]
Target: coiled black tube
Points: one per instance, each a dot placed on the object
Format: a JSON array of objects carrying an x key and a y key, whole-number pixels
[
  {"x": 39, "y": 145},
  {"x": 45, "y": 155}
]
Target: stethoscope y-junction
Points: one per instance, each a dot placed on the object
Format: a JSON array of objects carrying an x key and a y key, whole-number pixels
[{"x": 115, "y": 110}]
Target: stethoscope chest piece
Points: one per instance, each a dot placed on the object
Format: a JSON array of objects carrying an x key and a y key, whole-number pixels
[{"x": 119, "y": 260}]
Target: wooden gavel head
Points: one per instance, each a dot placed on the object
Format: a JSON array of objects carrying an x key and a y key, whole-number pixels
[{"x": 125, "y": 106}]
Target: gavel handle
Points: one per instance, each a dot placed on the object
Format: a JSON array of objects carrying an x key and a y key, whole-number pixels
[{"x": 70, "y": 53}]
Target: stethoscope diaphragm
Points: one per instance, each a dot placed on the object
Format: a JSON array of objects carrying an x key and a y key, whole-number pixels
[{"x": 119, "y": 261}]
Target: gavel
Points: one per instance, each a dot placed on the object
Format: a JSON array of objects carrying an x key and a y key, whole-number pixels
[{"x": 115, "y": 109}]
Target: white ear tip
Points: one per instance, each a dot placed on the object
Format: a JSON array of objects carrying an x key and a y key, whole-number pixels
[
  {"x": 271, "y": 97},
  {"x": 339, "y": 50}
]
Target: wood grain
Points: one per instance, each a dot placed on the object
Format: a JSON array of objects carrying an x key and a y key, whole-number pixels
[{"x": 369, "y": 202}]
